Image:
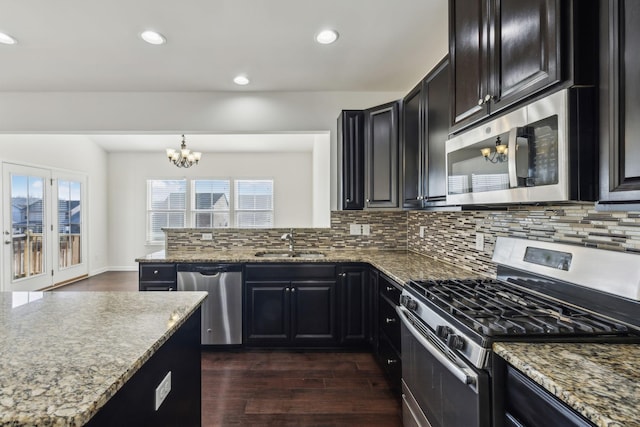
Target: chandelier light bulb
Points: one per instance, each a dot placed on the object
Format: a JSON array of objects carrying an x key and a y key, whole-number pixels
[{"x": 183, "y": 158}]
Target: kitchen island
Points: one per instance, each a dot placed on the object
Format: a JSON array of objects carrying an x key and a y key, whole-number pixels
[{"x": 96, "y": 358}]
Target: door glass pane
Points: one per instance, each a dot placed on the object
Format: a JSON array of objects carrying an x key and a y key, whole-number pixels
[
  {"x": 27, "y": 223},
  {"x": 69, "y": 223}
]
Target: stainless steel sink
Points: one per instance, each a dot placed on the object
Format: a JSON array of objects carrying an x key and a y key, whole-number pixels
[{"x": 307, "y": 255}]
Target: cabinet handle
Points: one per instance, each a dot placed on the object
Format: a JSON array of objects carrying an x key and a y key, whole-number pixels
[
  {"x": 392, "y": 361},
  {"x": 390, "y": 288},
  {"x": 390, "y": 320}
]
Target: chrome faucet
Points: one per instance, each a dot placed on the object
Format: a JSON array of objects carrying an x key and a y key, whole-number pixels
[{"x": 289, "y": 238}]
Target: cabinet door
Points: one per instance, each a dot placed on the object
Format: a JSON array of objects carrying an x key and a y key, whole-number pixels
[
  {"x": 525, "y": 49},
  {"x": 437, "y": 101},
  {"x": 620, "y": 103},
  {"x": 267, "y": 319},
  {"x": 354, "y": 305},
  {"x": 351, "y": 159},
  {"x": 411, "y": 147},
  {"x": 313, "y": 315},
  {"x": 468, "y": 52},
  {"x": 381, "y": 156}
]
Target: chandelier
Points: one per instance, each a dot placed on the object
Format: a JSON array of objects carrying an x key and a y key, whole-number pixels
[
  {"x": 498, "y": 156},
  {"x": 183, "y": 158}
]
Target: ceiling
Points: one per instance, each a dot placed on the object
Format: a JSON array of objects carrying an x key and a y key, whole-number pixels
[{"x": 91, "y": 45}]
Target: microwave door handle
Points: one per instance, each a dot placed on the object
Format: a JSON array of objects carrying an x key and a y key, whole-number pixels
[
  {"x": 456, "y": 370},
  {"x": 511, "y": 155}
]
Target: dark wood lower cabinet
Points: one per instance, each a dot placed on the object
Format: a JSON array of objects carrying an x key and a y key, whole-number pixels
[
  {"x": 291, "y": 305},
  {"x": 354, "y": 305},
  {"x": 134, "y": 403},
  {"x": 387, "y": 349}
]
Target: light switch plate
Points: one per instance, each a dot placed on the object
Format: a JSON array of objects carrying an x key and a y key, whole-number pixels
[
  {"x": 422, "y": 228},
  {"x": 163, "y": 390},
  {"x": 480, "y": 241},
  {"x": 355, "y": 229},
  {"x": 207, "y": 236},
  {"x": 366, "y": 229}
]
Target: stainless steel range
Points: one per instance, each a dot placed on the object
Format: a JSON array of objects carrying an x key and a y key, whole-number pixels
[{"x": 544, "y": 292}]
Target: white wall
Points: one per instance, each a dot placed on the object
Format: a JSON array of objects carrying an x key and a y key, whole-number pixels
[
  {"x": 72, "y": 153},
  {"x": 184, "y": 112},
  {"x": 161, "y": 112},
  {"x": 128, "y": 172}
]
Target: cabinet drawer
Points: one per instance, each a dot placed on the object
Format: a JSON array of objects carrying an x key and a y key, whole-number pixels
[
  {"x": 389, "y": 322},
  {"x": 158, "y": 272},
  {"x": 157, "y": 286},
  {"x": 389, "y": 289},
  {"x": 390, "y": 362}
]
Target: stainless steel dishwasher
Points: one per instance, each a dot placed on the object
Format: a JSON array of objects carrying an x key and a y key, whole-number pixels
[{"x": 222, "y": 310}]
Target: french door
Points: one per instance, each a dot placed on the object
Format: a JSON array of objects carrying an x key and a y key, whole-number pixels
[{"x": 43, "y": 227}]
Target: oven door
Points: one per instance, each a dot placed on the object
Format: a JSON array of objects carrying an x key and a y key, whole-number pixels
[{"x": 439, "y": 389}]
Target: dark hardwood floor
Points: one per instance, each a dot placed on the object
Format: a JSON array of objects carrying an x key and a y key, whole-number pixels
[{"x": 281, "y": 388}]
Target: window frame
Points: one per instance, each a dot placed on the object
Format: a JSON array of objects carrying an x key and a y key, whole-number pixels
[{"x": 190, "y": 211}]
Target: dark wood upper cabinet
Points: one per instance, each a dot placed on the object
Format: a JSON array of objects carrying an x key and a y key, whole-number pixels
[
  {"x": 381, "y": 156},
  {"x": 619, "y": 101},
  {"x": 351, "y": 159},
  {"x": 425, "y": 130},
  {"x": 501, "y": 51}
]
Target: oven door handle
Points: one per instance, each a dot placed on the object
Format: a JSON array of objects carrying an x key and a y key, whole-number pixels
[{"x": 464, "y": 376}]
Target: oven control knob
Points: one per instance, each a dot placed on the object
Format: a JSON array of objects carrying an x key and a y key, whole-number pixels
[
  {"x": 456, "y": 342},
  {"x": 410, "y": 304},
  {"x": 442, "y": 331}
]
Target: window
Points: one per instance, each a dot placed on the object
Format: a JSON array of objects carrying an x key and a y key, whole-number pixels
[
  {"x": 254, "y": 203},
  {"x": 166, "y": 206},
  {"x": 213, "y": 203}
]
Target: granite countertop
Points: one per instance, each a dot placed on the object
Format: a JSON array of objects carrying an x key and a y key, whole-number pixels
[
  {"x": 399, "y": 265},
  {"x": 63, "y": 355},
  {"x": 599, "y": 381}
]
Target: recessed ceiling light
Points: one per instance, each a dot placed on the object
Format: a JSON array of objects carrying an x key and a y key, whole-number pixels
[
  {"x": 327, "y": 36},
  {"x": 241, "y": 80},
  {"x": 153, "y": 37},
  {"x": 7, "y": 39}
]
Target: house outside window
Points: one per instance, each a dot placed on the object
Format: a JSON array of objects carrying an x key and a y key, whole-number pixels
[{"x": 212, "y": 203}]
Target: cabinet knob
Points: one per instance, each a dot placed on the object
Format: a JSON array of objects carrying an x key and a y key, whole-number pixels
[
  {"x": 480, "y": 101},
  {"x": 487, "y": 98},
  {"x": 209, "y": 330},
  {"x": 390, "y": 288},
  {"x": 155, "y": 271},
  {"x": 343, "y": 274},
  {"x": 348, "y": 200},
  {"x": 392, "y": 361},
  {"x": 287, "y": 289},
  {"x": 390, "y": 320},
  {"x": 293, "y": 290},
  {"x": 367, "y": 200}
]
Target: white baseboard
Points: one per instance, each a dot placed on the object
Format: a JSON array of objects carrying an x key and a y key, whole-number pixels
[
  {"x": 98, "y": 271},
  {"x": 123, "y": 268}
]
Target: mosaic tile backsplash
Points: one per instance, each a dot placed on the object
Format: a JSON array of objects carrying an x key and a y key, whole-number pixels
[
  {"x": 449, "y": 236},
  {"x": 388, "y": 231}
]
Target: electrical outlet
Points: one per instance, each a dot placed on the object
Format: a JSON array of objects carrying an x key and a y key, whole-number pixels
[
  {"x": 366, "y": 229},
  {"x": 422, "y": 228},
  {"x": 480, "y": 241},
  {"x": 207, "y": 236},
  {"x": 163, "y": 390},
  {"x": 355, "y": 229}
]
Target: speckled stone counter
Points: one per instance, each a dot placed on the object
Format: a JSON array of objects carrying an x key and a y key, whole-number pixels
[
  {"x": 398, "y": 265},
  {"x": 64, "y": 354},
  {"x": 599, "y": 381}
]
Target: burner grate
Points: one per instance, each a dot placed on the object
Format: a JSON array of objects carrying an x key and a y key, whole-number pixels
[{"x": 492, "y": 308}]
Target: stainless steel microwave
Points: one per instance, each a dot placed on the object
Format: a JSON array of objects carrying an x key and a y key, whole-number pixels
[{"x": 542, "y": 152}]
